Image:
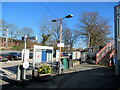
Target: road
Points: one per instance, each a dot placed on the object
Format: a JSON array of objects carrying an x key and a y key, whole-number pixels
[
  {"x": 8, "y": 70},
  {"x": 81, "y": 76}
]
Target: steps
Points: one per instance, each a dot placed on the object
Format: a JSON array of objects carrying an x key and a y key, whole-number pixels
[{"x": 104, "y": 55}]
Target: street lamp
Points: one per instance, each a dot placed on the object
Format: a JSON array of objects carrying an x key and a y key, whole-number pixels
[{"x": 60, "y": 19}]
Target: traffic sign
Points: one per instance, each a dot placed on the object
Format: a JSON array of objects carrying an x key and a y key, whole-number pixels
[
  {"x": 33, "y": 38},
  {"x": 60, "y": 45},
  {"x": 25, "y": 65}
]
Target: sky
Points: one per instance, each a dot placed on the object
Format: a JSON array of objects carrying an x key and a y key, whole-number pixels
[{"x": 30, "y": 14}]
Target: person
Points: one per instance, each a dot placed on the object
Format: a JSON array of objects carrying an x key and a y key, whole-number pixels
[{"x": 112, "y": 62}]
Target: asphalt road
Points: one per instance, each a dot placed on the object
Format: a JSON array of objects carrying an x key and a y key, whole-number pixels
[
  {"x": 8, "y": 70},
  {"x": 81, "y": 76}
]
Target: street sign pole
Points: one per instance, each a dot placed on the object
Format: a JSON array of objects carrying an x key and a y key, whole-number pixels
[
  {"x": 24, "y": 59},
  {"x": 25, "y": 41}
]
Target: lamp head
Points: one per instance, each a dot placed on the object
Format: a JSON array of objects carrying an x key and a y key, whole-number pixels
[
  {"x": 54, "y": 20},
  {"x": 69, "y": 16}
]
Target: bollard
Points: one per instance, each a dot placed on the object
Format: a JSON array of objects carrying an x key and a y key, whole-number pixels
[
  {"x": 18, "y": 73},
  {"x": 21, "y": 74}
]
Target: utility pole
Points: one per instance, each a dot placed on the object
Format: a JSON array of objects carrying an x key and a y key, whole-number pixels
[{"x": 89, "y": 39}]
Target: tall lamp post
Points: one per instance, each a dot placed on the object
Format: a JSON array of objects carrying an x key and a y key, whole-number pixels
[{"x": 60, "y": 38}]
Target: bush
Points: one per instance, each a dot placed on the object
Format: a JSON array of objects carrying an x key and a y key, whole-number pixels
[
  {"x": 3, "y": 49},
  {"x": 44, "y": 69},
  {"x": 16, "y": 47},
  {"x": 75, "y": 61}
]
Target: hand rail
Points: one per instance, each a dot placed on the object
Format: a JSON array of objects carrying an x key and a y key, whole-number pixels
[
  {"x": 112, "y": 54},
  {"x": 104, "y": 51}
]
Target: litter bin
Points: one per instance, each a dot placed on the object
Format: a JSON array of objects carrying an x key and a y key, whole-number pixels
[
  {"x": 65, "y": 63},
  {"x": 70, "y": 63}
]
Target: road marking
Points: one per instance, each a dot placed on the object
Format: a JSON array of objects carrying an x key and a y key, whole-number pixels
[{"x": 8, "y": 74}]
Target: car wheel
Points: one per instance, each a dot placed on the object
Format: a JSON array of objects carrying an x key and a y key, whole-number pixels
[{"x": 17, "y": 58}]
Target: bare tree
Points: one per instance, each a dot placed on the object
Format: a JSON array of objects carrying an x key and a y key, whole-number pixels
[
  {"x": 70, "y": 38},
  {"x": 12, "y": 32},
  {"x": 94, "y": 29},
  {"x": 26, "y": 31},
  {"x": 47, "y": 31}
]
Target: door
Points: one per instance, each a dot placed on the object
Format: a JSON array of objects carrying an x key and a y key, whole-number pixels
[{"x": 44, "y": 55}]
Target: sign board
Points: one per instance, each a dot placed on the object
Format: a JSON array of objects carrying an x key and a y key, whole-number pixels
[
  {"x": 57, "y": 55},
  {"x": 38, "y": 55},
  {"x": 60, "y": 45},
  {"x": 33, "y": 38},
  {"x": 25, "y": 65},
  {"x": 78, "y": 55},
  {"x": 49, "y": 56},
  {"x": 74, "y": 55},
  {"x": 25, "y": 54}
]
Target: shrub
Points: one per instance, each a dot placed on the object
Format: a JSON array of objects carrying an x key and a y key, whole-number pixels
[
  {"x": 16, "y": 47},
  {"x": 44, "y": 69},
  {"x": 75, "y": 61}
]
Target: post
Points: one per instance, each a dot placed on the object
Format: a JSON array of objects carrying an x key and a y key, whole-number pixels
[
  {"x": 88, "y": 39},
  {"x": 60, "y": 47},
  {"x": 7, "y": 39},
  {"x": 117, "y": 39},
  {"x": 24, "y": 59},
  {"x": 25, "y": 42}
]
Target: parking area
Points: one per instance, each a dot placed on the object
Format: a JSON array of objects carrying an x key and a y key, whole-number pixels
[{"x": 12, "y": 56}]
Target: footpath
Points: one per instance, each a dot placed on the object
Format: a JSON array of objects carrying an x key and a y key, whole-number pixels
[{"x": 81, "y": 76}]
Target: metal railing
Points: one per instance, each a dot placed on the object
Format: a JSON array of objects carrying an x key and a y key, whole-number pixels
[
  {"x": 112, "y": 54},
  {"x": 104, "y": 51}
]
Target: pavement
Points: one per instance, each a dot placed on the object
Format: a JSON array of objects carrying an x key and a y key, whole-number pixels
[{"x": 81, "y": 76}]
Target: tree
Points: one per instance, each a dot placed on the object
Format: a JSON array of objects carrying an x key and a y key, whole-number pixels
[
  {"x": 46, "y": 30},
  {"x": 55, "y": 38},
  {"x": 70, "y": 37},
  {"x": 12, "y": 28},
  {"x": 26, "y": 31},
  {"x": 29, "y": 32},
  {"x": 12, "y": 32},
  {"x": 94, "y": 29}
]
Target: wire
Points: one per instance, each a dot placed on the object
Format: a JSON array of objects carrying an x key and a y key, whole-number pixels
[{"x": 48, "y": 10}]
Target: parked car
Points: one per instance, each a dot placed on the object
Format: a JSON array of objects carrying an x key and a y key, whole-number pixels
[
  {"x": 54, "y": 54},
  {"x": 3, "y": 57},
  {"x": 14, "y": 56},
  {"x": 64, "y": 54}
]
